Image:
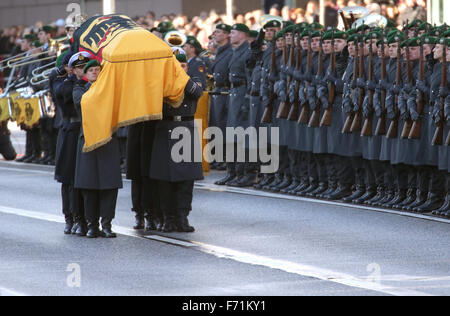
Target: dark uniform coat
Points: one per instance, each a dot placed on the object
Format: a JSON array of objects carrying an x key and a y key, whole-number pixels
[
  {"x": 139, "y": 149},
  {"x": 98, "y": 169},
  {"x": 163, "y": 167},
  {"x": 197, "y": 69},
  {"x": 219, "y": 103}
]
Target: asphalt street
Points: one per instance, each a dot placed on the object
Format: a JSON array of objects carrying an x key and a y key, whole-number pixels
[{"x": 243, "y": 245}]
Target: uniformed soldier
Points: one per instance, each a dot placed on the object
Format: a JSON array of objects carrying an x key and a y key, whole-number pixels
[
  {"x": 196, "y": 65},
  {"x": 97, "y": 173},
  {"x": 6, "y": 148},
  {"x": 176, "y": 179},
  {"x": 219, "y": 69}
]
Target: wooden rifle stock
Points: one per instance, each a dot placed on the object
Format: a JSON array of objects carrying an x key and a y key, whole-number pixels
[
  {"x": 294, "y": 110},
  {"x": 447, "y": 141},
  {"x": 438, "y": 137},
  {"x": 304, "y": 114},
  {"x": 417, "y": 124},
  {"x": 315, "y": 117},
  {"x": 408, "y": 122},
  {"x": 283, "y": 109},
  {"x": 268, "y": 111}
]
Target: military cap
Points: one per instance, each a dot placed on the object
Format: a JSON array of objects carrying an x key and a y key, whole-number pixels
[
  {"x": 286, "y": 24},
  {"x": 164, "y": 27},
  {"x": 362, "y": 28},
  {"x": 272, "y": 23},
  {"x": 415, "y": 23},
  {"x": 90, "y": 64},
  {"x": 30, "y": 37},
  {"x": 305, "y": 32},
  {"x": 241, "y": 28},
  {"x": 430, "y": 40},
  {"x": 391, "y": 24},
  {"x": 317, "y": 26},
  {"x": 424, "y": 26},
  {"x": 445, "y": 41},
  {"x": 316, "y": 34},
  {"x": 289, "y": 29},
  {"x": 303, "y": 25},
  {"x": 254, "y": 34},
  {"x": 191, "y": 40},
  {"x": 353, "y": 38},
  {"x": 396, "y": 37},
  {"x": 373, "y": 35},
  {"x": 336, "y": 34},
  {"x": 351, "y": 32},
  {"x": 79, "y": 59},
  {"x": 181, "y": 58},
  {"x": 280, "y": 34},
  {"x": 412, "y": 42},
  {"x": 46, "y": 29},
  {"x": 60, "y": 59},
  {"x": 446, "y": 34},
  {"x": 224, "y": 27},
  {"x": 178, "y": 50},
  {"x": 36, "y": 44}
]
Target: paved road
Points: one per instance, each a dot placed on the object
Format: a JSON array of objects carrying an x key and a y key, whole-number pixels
[{"x": 244, "y": 245}]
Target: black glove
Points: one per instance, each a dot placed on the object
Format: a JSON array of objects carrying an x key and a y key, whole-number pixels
[
  {"x": 443, "y": 92},
  {"x": 258, "y": 43},
  {"x": 371, "y": 85},
  {"x": 422, "y": 86}
]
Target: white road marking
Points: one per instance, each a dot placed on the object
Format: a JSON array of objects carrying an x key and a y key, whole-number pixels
[
  {"x": 8, "y": 292},
  {"x": 243, "y": 257}
]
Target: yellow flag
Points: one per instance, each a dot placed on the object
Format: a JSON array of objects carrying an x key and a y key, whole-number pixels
[
  {"x": 12, "y": 97},
  {"x": 4, "y": 109},
  {"x": 202, "y": 114},
  {"x": 32, "y": 112},
  {"x": 19, "y": 109}
]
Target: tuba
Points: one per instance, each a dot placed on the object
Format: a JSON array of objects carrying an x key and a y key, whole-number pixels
[
  {"x": 373, "y": 20},
  {"x": 175, "y": 39},
  {"x": 266, "y": 18},
  {"x": 350, "y": 15}
]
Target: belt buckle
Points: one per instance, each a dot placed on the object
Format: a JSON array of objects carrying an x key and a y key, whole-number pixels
[{"x": 177, "y": 118}]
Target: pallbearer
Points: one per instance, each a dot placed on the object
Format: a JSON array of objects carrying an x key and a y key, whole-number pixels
[
  {"x": 176, "y": 179},
  {"x": 98, "y": 173}
]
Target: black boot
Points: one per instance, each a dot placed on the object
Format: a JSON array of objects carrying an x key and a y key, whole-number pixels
[
  {"x": 287, "y": 181},
  {"x": 313, "y": 185},
  {"x": 304, "y": 183},
  {"x": 294, "y": 184},
  {"x": 410, "y": 198},
  {"x": 275, "y": 182},
  {"x": 267, "y": 178},
  {"x": 139, "y": 219},
  {"x": 322, "y": 187},
  {"x": 69, "y": 225},
  {"x": 421, "y": 198},
  {"x": 369, "y": 194},
  {"x": 360, "y": 190},
  {"x": 170, "y": 221},
  {"x": 332, "y": 187},
  {"x": 434, "y": 202},
  {"x": 230, "y": 177},
  {"x": 93, "y": 230},
  {"x": 183, "y": 222},
  {"x": 246, "y": 181},
  {"x": 444, "y": 208},
  {"x": 81, "y": 229},
  {"x": 150, "y": 223},
  {"x": 388, "y": 196},
  {"x": 399, "y": 197},
  {"x": 376, "y": 198},
  {"x": 341, "y": 192}
]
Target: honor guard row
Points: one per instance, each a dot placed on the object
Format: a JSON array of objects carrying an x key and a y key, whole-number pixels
[{"x": 362, "y": 114}]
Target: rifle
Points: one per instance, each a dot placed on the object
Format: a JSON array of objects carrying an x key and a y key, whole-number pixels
[
  {"x": 348, "y": 122},
  {"x": 447, "y": 141},
  {"x": 417, "y": 126},
  {"x": 304, "y": 115},
  {"x": 326, "y": 118},
  {"x": 283, "y": 110},
  {"x": 381, "y": 125},
  {"x": 294, "y": 110},
  {"x": 367, "y": 127},
  {"x": 357, "y": 121},
  {"x": 439, "y": 133},
  {"x": 315, "y": 117},
  {"x": 393, "y": 127},
  {"x": 408, "y": 122},
  {"x": 268, "y": 112}
]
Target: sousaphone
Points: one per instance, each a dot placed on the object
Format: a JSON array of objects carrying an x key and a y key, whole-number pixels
[
  {"x": 373, "y": 20},
  {"x": 175, "y": 39},
  {"x": 351, "y": 14}
]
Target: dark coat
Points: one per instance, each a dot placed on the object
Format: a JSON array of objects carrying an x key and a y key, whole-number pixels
[
  {"x": 163, "y": 167},
  {"x": 139, "y": 149},
  {"x": 98, "y": 169}
]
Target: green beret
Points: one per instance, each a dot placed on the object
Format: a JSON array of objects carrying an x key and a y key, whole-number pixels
[
  {"x": 289, "y": 29},
  {"x": 412, "y": 42},
  {"x": 164, "y": 27},
  {"x": 391, "y": 24},
  {"x": 224, "y": 27},
  {"x": 373, "y": 35},
  {"x": 430, "y": 40},
  {"x": 272, "y": 23},
  {"x": 336, "y": 34},
  {"x": 60, "y": 59},
  {"x": 30, "y": 37},
  {"x": 303, "y": 25},
  {"x": 46, "y": 29},
  {"x": 353, "y": 38},
  {"x": 181, "y": 58},
  {"x": 446, "y": 34},
  {"x": 445, "y": 41},
  {"x": 191, "y": 40},
  {"x": 350, "y": 32},
  {"x": 36, "y": 44},
  {"x": 396, "y": 37},
  {"x": 241, "y": 28},
  {"x": 254, "y": 34},
  {"x": 305, "y": 32},
  {"x": 92, "y": 63},
  {"x": 317, "y": 26},
  {"x": 424, "y": 26},
  {"x": 280, "y": 34},
  {"x": 316, "y": 34},
  {"x": 362, "y": 28},
  {"x": 415, "y": 23}
]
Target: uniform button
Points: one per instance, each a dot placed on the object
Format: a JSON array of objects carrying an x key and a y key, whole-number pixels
[{"x": 185, "y": 105}]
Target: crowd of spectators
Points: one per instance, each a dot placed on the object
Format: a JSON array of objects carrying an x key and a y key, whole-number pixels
[{"x": 203, "y": 25}]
